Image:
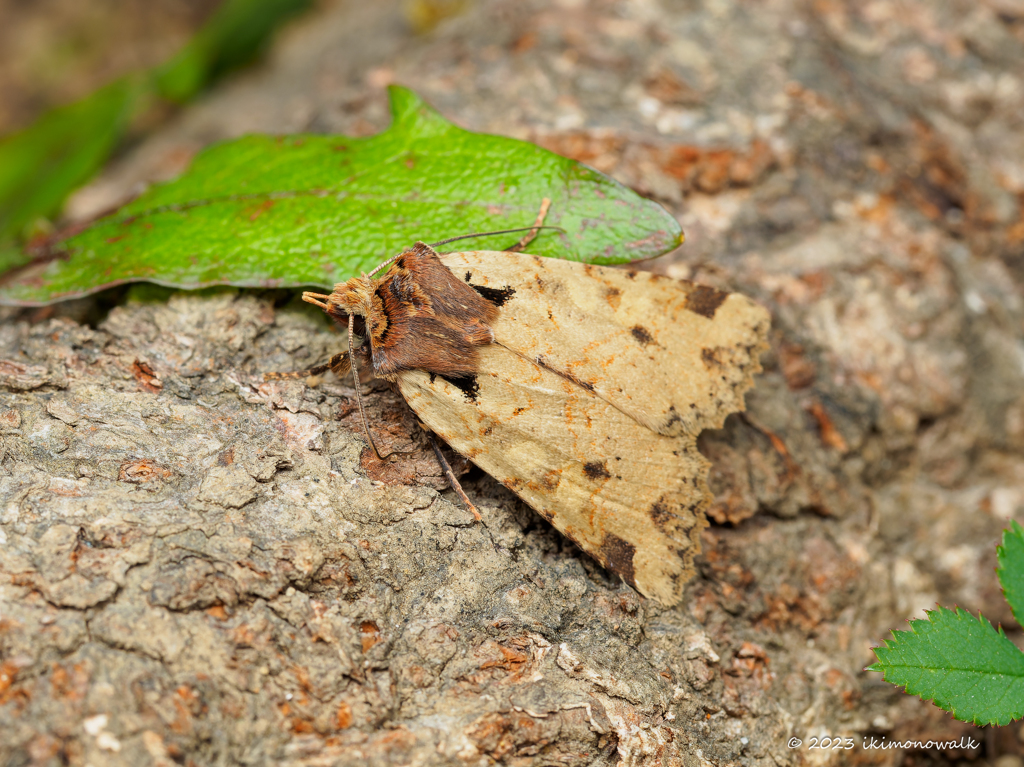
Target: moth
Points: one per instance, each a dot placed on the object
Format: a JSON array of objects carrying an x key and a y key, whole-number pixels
[{"x": 580, "y": 388}]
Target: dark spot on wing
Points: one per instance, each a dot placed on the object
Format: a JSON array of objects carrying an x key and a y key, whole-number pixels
[
  {"x": 661, "y": 514},
  {"x": 514, "y": 484},
  {"x": 641, "y": 334},
  {"x": 550, "y": 480},
  {"x": 596, "y": 470},
  {"x": 468, "y": 385},
  {"x": 497, "y": 296},
  {"x": 618, "y": 556},
  {"x": 705, "y": 301},
  {"x": 713, "y": 357},
  {"x": 468, "y": 277},
  {"x": 673, "y": 416}
]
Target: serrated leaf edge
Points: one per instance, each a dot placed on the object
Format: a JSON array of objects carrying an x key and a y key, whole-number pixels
[
  {"x": 957, "y": 613},
  {"x": 1002, "y": 555}
]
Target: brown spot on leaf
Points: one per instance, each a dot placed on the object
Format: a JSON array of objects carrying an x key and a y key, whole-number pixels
[
  {"x": 618, "y": 556},
  {"x": 259, "y": 210},
  {"x": 705, "y": 301}
]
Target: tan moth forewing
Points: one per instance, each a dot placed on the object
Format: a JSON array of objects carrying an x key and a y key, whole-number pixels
[{"x": 580, "y": 388}]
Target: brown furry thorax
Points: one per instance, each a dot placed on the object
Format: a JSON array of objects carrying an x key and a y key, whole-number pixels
[{"x": 352, "y": 297}]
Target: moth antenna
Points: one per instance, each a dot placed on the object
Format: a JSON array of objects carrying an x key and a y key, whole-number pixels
[
  {"x": 500, "y": 231},
  {"x": 544, "y": 205},
  {"x": 381, "y": 265},
  {"x": 533, "y": 229},
  {"x": 447, "y": 469},
  {"x": 355, "y": 385},
  {"x": 529, "y": 236}
]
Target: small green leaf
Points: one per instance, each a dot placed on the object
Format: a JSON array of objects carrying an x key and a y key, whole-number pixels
[
  {"x": 314, "y": 210},
  {"x": 960, "y": 663},
  {"x": 40, "y": 165},
  {"x": 1011, "y": 569}
]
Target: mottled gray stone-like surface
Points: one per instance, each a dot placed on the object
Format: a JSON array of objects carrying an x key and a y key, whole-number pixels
[{"x": 201, "y": 568}]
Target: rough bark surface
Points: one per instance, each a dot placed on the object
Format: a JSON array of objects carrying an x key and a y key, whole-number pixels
[{"x": 199, "y": 568}]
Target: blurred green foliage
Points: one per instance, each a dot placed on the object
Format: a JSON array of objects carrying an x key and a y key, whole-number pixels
[{"x": 42, "y": 164}]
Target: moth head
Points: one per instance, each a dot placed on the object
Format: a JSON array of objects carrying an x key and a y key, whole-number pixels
[{"x": 352, "y": 297}]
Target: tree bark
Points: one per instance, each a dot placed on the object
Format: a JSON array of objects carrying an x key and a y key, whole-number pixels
[{"x": 202, "y": 568}]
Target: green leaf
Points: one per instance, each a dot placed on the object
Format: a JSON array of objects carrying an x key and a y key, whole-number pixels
[
  {"x": 959, "y": 662},
  {"x": 1011, "y": 569},
  {"x": 235, "y": 34},
  {"x": 314, "y": 210},
  {"x": 40, "y": 165}
]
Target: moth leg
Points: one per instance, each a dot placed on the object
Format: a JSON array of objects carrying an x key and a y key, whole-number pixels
[
  {"x": 528, "y": 237},
  {"x": 451, "y": 476},
  {"x": 355, "y": 386},
  {"x": 339, "y": 363}
]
